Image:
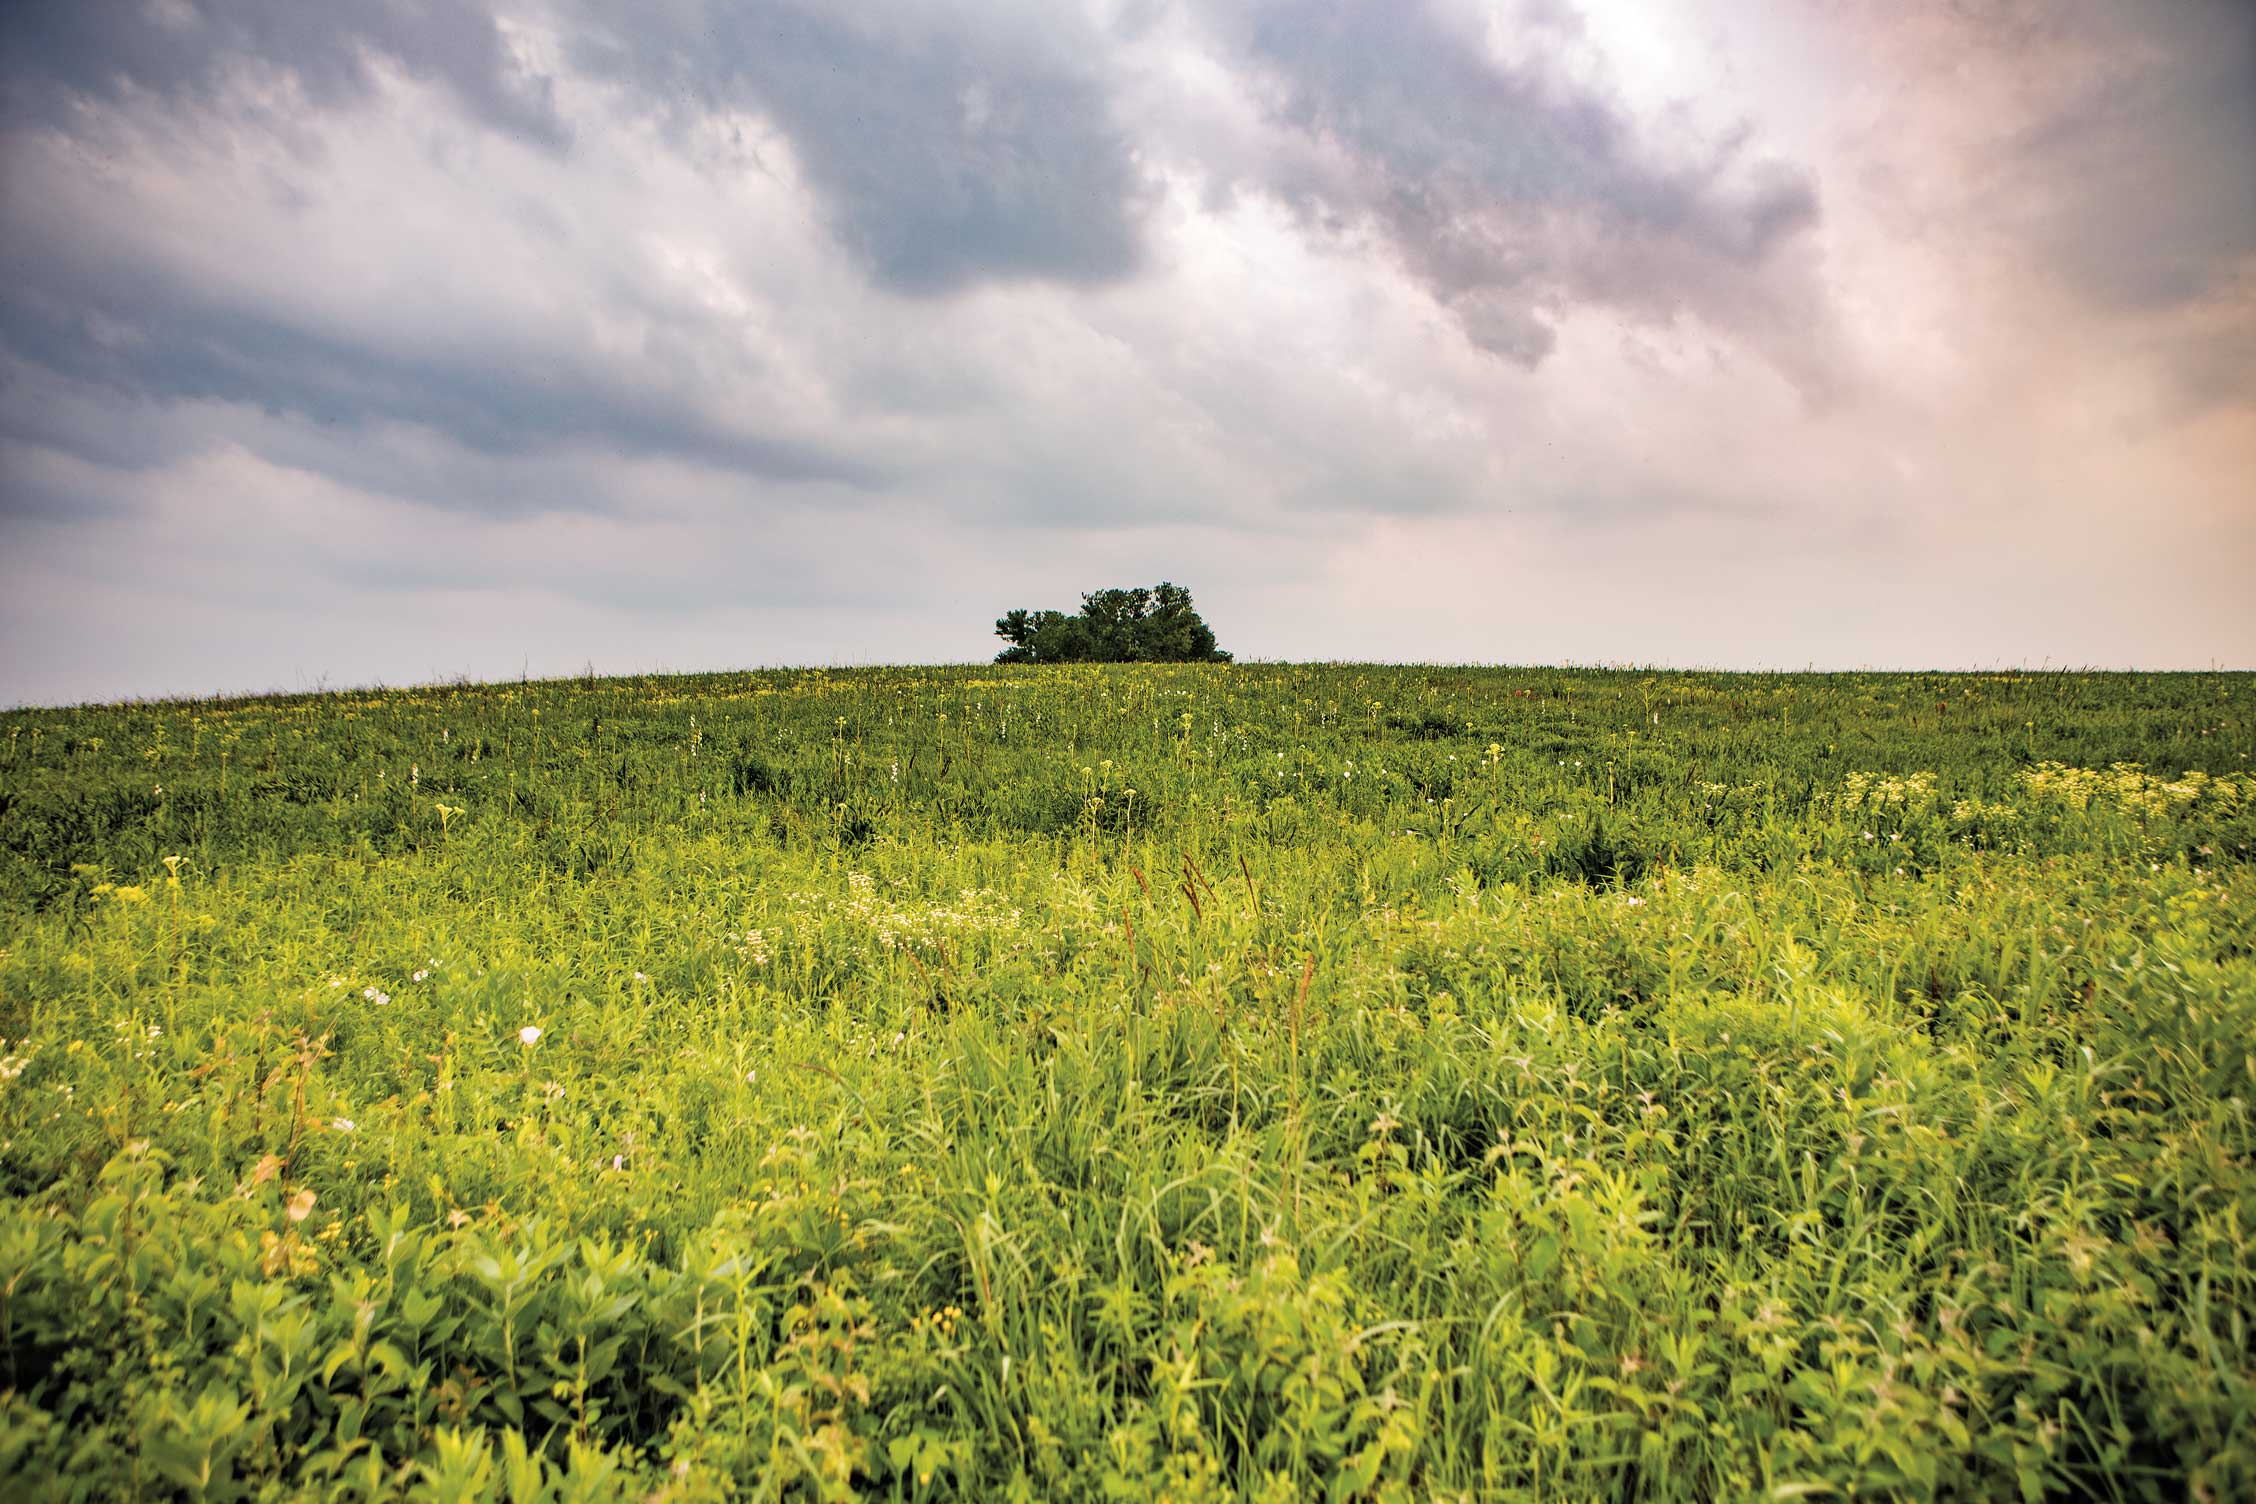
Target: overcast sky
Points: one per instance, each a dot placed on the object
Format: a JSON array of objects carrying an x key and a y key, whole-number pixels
[{"x": 413, "y": 338}]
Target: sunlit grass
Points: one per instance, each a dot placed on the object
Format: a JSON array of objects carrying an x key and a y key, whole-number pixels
[{"x": 1270, "y": 1083}]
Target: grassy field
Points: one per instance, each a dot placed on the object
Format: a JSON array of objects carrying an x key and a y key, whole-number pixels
[{"x": 1225, "y": 1082}]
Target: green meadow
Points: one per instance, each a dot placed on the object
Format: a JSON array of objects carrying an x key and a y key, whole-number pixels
[{"x": 1119, "y": 1083}]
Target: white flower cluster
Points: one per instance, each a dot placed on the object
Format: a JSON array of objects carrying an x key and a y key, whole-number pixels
[{"x": 893, "y": 921}]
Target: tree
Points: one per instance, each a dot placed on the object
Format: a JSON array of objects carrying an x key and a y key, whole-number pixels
[{"x": 1139, "y": 625}]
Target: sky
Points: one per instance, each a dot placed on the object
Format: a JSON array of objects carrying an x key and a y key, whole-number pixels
[{"x": 418, "y": 339}]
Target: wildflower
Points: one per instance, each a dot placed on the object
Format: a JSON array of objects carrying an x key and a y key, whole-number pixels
[
  {"x": 419, "y": 976},
  {"x": 301, "y": 1205},
  {"x": 343, "y": 1125},
  {"x": 638, "y": 976},
  {"x": 530, "y": 1034}
]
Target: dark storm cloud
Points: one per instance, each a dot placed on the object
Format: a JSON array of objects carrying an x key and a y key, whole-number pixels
[
  {"x": 57, "y": 52},
  {"x": 119, "y": 349},
  {"x": 143, "y": 342},
  {"x": 2115, "y": 148},
  {"x": 2156, "y": 166},
  {"x": 1509, "y": 189},
  {"x": 945, "y": 147},
  {"x": 30, "y": 491},
  {"x": 951, "y": 145}
]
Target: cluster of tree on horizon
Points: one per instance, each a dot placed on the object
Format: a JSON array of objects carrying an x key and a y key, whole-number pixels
[{"x": 1137, "y": 625}]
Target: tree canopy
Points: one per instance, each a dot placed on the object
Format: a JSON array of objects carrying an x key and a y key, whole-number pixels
[{"x": 1137, "y": 625}]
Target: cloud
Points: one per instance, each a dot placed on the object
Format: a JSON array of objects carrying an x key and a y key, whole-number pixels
[
  {"x": 1509, "y": 188},
  {"x": 381, "y": 274},
  {"x": 439, "y": 338},
  {"x": 142, "y": 341},
  {"x": 62, "y": 52},
  {"x": 2148, "y": 198},
  {"x": 2103, "y": 146},
  {"x": 952, "y": 143},
  {"x": 2123, "y": 153}
]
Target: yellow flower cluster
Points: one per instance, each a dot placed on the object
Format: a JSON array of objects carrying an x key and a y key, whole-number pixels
[
  {"x": 941, "y": 1323},
  {"x": 2129, "y": 787},
  {"x": 1878, "y": 794}
]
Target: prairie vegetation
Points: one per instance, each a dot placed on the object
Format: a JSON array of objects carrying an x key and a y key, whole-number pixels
[{"x": 1134, "y": 1082}]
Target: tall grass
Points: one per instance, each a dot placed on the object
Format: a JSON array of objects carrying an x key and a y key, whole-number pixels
[{"x": 1191, "y": 1083}]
